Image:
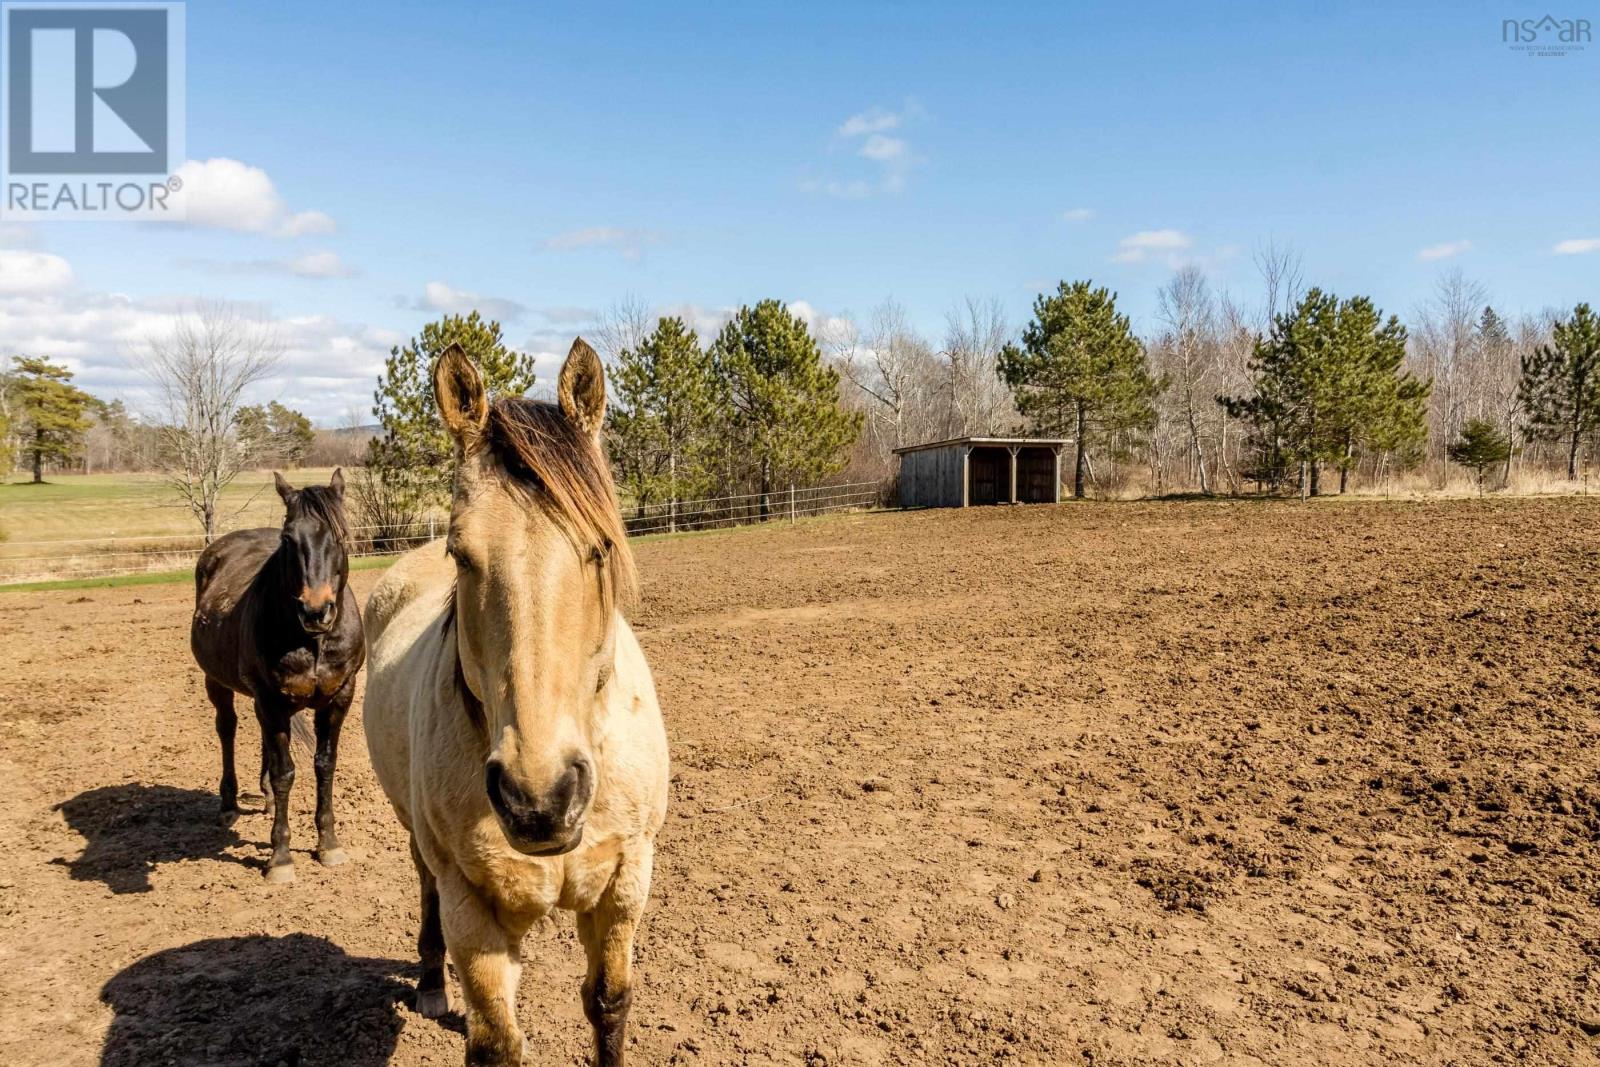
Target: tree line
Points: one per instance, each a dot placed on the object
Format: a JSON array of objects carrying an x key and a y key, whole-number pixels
[
  {"x": 753, "y": 412},
  {"x": 48, "y": 424},
  {"x": 1308, "y": 393}
]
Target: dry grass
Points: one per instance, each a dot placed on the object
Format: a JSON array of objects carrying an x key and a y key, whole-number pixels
[{"x": 71, "y": 507}]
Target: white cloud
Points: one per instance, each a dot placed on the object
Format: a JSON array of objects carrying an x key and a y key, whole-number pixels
[
  {"x": 1138, "y": 247},
  {"x": 307, "y": 224},
  {"x": 883, "y": 149},
  {"x": 230, "y": 195},
  {"x": 320, "y": 265},
  {"x": 628, "y": 243},
  {"x": 1577, "y": 246},
  {"x": 822, "y": 325},
  {"x": 705, "y": 322},
  {"x": 1078, "y": 214},
  {"x": 890, "y": 159},
  {"x": 448, "y": 300},
  {"x": 872, "y": 120},
  {"x": 1443, "y": 250},
  {"x": 25, "y": 273},
  {"x": 327, "y": 366}
]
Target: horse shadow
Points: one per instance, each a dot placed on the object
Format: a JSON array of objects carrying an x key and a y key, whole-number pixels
[
  {"x": 132, "y": 829},
  {"x": 257, "y": 1000}
]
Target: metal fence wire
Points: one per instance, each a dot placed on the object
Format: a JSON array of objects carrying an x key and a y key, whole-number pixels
[{"x": 27, "y": 561}]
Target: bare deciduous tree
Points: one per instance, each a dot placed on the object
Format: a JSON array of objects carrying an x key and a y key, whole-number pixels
[
  {"x": 980, "y": 403},
  {"x": 201, "y": 370},
  {"x": 1445, "y": 348},
  {"x": 1190, "y": 344},
  {"x": 1282, "y": 274},
  {"x": 622, "y": 327},
  {"x": 897, "y": 372}
]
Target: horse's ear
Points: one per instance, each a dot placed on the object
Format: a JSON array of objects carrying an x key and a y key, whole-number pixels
[
  {"x": 336, "y": 483},
  {"x": 285, "y": 490},
  {"x": 582, "y": 388},
  {"x": 458, "y": 390}
]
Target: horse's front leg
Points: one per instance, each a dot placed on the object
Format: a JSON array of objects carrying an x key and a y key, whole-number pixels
[
  {"x": 280, "y": 774},
  {"x": 607, "y": 936},
  {"x": 329, "y": 721},
  {"x": 488, "y": 964}
]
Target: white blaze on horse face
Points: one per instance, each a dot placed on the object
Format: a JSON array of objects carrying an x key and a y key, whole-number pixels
[{"x": 532, "y": 635}]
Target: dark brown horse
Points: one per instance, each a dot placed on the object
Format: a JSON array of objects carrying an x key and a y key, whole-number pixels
[{"x": 275, "y": 621}]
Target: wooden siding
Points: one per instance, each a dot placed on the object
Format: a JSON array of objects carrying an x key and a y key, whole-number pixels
[{"x": 931, "y": 477}]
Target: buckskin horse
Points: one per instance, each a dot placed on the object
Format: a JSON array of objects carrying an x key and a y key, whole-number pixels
[
  {"x": 274, "y": 620},
  {"x": 510, "y": 713}
]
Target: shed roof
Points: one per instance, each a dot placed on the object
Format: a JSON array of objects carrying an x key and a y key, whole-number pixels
[{"x": 984, "y": 442}]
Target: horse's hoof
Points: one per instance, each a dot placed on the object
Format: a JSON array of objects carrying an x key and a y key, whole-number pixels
[
  {"x": 280, "y": 874},
  {"x": 332, "y": 857},
  {"x": 433, "y": 1004},
  {"x": 228, "y": 818}
]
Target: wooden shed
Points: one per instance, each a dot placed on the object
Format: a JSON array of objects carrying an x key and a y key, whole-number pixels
[{"x": 981, "y": 470}]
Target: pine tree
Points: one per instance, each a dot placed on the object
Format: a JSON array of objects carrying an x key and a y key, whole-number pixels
[
  {"x": 1328, "y": 386},
  {"x": 1480, "y": 447},
  {"x": 782, "y": 416},
  {"x": 274, "y": 433},
  {"x": 660, "y": 423},
  {"x": 412, "y": 457},
  {"x": 1495, "y": 345},
  {"x": 1080, "y": 371},
  {"x": 1560, "y": 389},
  {"x": 51, "y": 413},
  {"x": 1382, "y": 408}
]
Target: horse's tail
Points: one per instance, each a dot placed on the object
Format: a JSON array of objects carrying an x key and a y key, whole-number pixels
[{"x": 302, "y": 732}]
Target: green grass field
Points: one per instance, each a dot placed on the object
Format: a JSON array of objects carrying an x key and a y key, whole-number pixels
[{"x": 70, "y": 507}]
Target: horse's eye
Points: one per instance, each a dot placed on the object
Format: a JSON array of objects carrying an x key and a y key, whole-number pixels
[{"x": 459, "y": 555}]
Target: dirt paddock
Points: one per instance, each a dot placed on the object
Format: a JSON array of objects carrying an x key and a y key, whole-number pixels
[{"x": 1091, "y": 784}]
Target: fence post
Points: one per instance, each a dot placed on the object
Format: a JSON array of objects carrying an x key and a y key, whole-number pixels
[
  {"x": 430, "y": 527},
  {"x": 791, "y": 502}
]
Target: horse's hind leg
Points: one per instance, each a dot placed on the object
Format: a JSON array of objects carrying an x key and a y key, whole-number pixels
[
  {"x": 330, "y": 720},
  {"x": 227, "y": 724},
  {"x": 433, "y": 1000},
  {"x": 267, "y": 806},
  {"x": 607, "y": 936},
  {"x": 488, "y": 965},
  {"x": 280, "y": 769}
]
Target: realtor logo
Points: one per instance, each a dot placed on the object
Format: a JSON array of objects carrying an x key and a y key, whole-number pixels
[{"x": 93, "y": 110}]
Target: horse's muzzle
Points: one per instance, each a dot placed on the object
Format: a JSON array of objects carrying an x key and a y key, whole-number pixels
[
  {"x": 545, "y": 826},
  {"x": 318, "y": 621}
]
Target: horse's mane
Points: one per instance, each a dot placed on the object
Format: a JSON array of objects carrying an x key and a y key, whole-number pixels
[
  {"x": 323, "y": 504},
  {"x": 541, "y": 448}
]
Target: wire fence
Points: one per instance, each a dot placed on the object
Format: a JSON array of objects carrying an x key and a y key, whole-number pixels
[{"x": 106, "y": 557}]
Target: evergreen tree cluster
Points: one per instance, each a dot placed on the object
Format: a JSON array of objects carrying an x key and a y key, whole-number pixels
[
  {"x": 1560, "y": 388},
  {"x": 408, "y": 465},
  {"x": 274, "y": 435},
  {"x": 1330, "y": 386},
  {"x": 754, "y": 412},
  {"x": 44, "y": 413},
  {"x": 1081, "y": 373}
]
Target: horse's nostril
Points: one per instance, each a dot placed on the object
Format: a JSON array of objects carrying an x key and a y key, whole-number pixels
[{"x": 582, "y": 772}]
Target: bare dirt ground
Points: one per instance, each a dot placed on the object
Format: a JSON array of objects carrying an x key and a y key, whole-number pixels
[{"x": 1099, "y": 784}]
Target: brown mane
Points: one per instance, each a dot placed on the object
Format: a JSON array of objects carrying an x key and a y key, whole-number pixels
[{"x": 541, "y": 448}]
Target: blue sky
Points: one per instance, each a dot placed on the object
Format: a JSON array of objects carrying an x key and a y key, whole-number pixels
[{"x": 372, "y": 165}]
